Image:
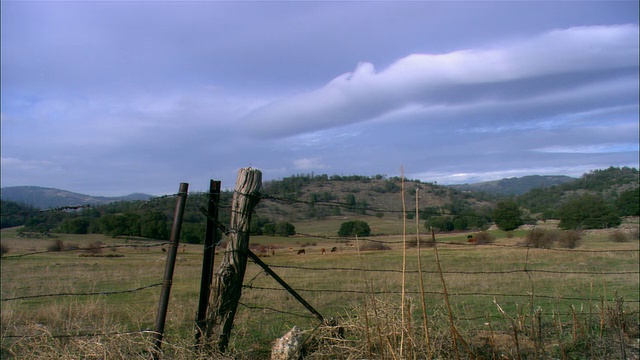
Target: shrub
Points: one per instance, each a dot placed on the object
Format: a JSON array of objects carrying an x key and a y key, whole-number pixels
[
  {"x": 374, "y": 246},
  {"x": 57, "y": 245},
  {"x": 569, "y": 239},
  {"x": 3, "y": 249},
  {"x": 618, "y": 236},
  {"x": 484, "y": 237},
  {"x": 424, "y": 242},
  {"x": 540, "y": 238},
  {"x": 94, "y": 248},
  {"x": 353, "y": 228}
]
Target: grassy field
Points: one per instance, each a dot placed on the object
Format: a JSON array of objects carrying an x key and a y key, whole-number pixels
[{"x": 504, "y": 300}]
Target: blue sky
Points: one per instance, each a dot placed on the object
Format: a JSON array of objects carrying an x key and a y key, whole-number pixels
[{"x": 110, "y": 98}]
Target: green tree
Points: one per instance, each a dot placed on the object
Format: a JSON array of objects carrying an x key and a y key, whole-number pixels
[
  {"x": 154, "y": 225},
  {"x": 439, "y": 223},
  {"x": 78, "y": 225},
  {"x": 120, "y": 224},
  {"x": 507, "y": 215},
  {"x": 350, "y": 201},
  {"x": 353, "y": 228},
  {"x": 587, "y": 212},
  {"x": 285, "y": 229},
  {"x": 628, "y": 203},
  {"x": 269, "y": 229}
]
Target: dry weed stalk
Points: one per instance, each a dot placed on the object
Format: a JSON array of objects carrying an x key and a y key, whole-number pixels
[
  {"x": 422, "y": 296},
  {"x": 404, "y": 262}
]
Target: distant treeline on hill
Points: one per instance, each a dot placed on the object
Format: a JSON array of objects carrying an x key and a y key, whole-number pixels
[{"x": 602, "y": 196}]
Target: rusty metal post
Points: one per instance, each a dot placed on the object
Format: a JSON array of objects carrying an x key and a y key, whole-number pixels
[
  {"x": 210, "y": 240},
  {"x": 169, "y": 267}
]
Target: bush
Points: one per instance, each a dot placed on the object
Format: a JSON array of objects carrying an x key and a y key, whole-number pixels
[
  {"x": 484, "y": 237},
  {"x": 424, "y": 242},
  {"x": 57, "y": 245},
  {"x": 546, "y": 239},
  {"x": 94, "y": 248},
  {"x": 539, "y": 238},
  {"x": 354, "y": 228},
  {"x": 374, "y": 246},
  {"x": 569, "y": 239},
  {"x": 3, "y": 249},
  {"x": 618, "y": 236}
]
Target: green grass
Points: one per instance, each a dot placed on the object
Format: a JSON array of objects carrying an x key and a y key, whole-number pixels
[{"x": 341, "y": 291}]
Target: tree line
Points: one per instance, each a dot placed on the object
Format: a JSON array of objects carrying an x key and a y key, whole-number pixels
[{"x": 585, "y": 203}]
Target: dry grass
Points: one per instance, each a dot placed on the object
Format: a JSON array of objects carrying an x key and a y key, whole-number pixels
[{"x": 352, "y": 288}]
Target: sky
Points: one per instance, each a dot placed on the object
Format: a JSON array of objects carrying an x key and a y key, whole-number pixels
[{"x": 115, "y": 97}]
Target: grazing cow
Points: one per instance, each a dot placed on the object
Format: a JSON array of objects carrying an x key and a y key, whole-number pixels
[
  {"x": 164, "y": 250},
  {"x": 301, "y": 251},
  {"x": 290, "y": 249},
  {"x": 334, "y": 249},
  {"x": 322, "y": 250},
  {"x": 272, "y": 249},
  {"x": 471, "y": 239}
]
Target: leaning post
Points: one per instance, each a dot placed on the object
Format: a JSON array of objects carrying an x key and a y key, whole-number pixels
[
  {"x": 227, "y": 288},
  {"x": 169, "y": 267},
  {"x": 210, "y": 240}
]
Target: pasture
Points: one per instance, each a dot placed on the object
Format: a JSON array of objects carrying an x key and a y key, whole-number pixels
[{"x": 504, "y": 300}]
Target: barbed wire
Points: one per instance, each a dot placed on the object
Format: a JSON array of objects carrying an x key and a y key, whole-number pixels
[
  {"x": 55, "y": 209},
  {"x": 107, "y": 293},
  {"x": 453, "y": 243},
  {"x": 86, "y": 334},
  {"x": 478, "y": 272},
  {"x": 255, "y": 307},
  {"x": 398, "y": 292},
  {"x": 96, "y": 249}
]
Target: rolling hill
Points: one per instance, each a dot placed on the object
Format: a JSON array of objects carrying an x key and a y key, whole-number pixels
[
  {"x": 46, "y": 198},
  {"x": 516, "y": 186}
]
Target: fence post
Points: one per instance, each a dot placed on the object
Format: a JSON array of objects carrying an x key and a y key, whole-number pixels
[
  {"x": 210, "y": 240},
  {"x": 168, "y": 270},
  {"x": 230, "y": 273}
]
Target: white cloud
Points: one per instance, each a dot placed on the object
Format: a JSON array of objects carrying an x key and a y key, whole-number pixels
[
  {"x": 569, "y": 62},
  {"x": 309, "y": 164},
  {"x": 590, "y": 149}
]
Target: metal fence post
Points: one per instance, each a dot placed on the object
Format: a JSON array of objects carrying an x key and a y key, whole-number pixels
[
  {"x": 169, "y": 267},
  {"x": 210, "y": 240}
]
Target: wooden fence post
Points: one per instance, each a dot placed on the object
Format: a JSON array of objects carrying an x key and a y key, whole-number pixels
[
  {"x": 210, "y": 239},
  {"x": 230, "y": 274},
  {"x": 169, "y": 267}
]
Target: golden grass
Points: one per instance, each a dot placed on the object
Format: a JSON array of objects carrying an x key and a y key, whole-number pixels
[{"x": 116, "y": 326}]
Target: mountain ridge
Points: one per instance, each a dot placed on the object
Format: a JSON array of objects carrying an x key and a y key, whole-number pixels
[
  {"x": 46, "y": 198},
  {"x": 515, "y": 185}
]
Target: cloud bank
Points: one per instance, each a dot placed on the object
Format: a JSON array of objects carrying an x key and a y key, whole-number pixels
[{"x": 576, "y": 66}]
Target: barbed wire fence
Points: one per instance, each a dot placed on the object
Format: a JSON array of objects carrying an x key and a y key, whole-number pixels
[{"x": 335, "y": 271}]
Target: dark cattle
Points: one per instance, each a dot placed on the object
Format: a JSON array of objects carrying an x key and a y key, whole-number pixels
[
  {"x": 334, "y": 249},
  {"x": 301, "y": 251}
]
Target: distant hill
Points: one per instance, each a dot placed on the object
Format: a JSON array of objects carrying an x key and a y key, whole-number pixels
[
  {"x": 515, "y": 186},
  {"x": 46, "y": 198}
]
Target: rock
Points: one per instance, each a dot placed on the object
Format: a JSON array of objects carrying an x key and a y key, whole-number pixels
[{"x": 288, "y": 347}]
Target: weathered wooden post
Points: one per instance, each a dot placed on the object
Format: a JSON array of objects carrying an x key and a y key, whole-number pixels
[
  {"x": 230, "y": 274},
  {"x": 163, "y": 304}
]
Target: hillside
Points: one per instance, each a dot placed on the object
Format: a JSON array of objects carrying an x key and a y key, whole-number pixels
[
  {"x": 608, "y": 184},
  {"x": 516, "y": 186},
  {"x": 308, "y": 198},
  {"x": 46, "y": 198}
]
